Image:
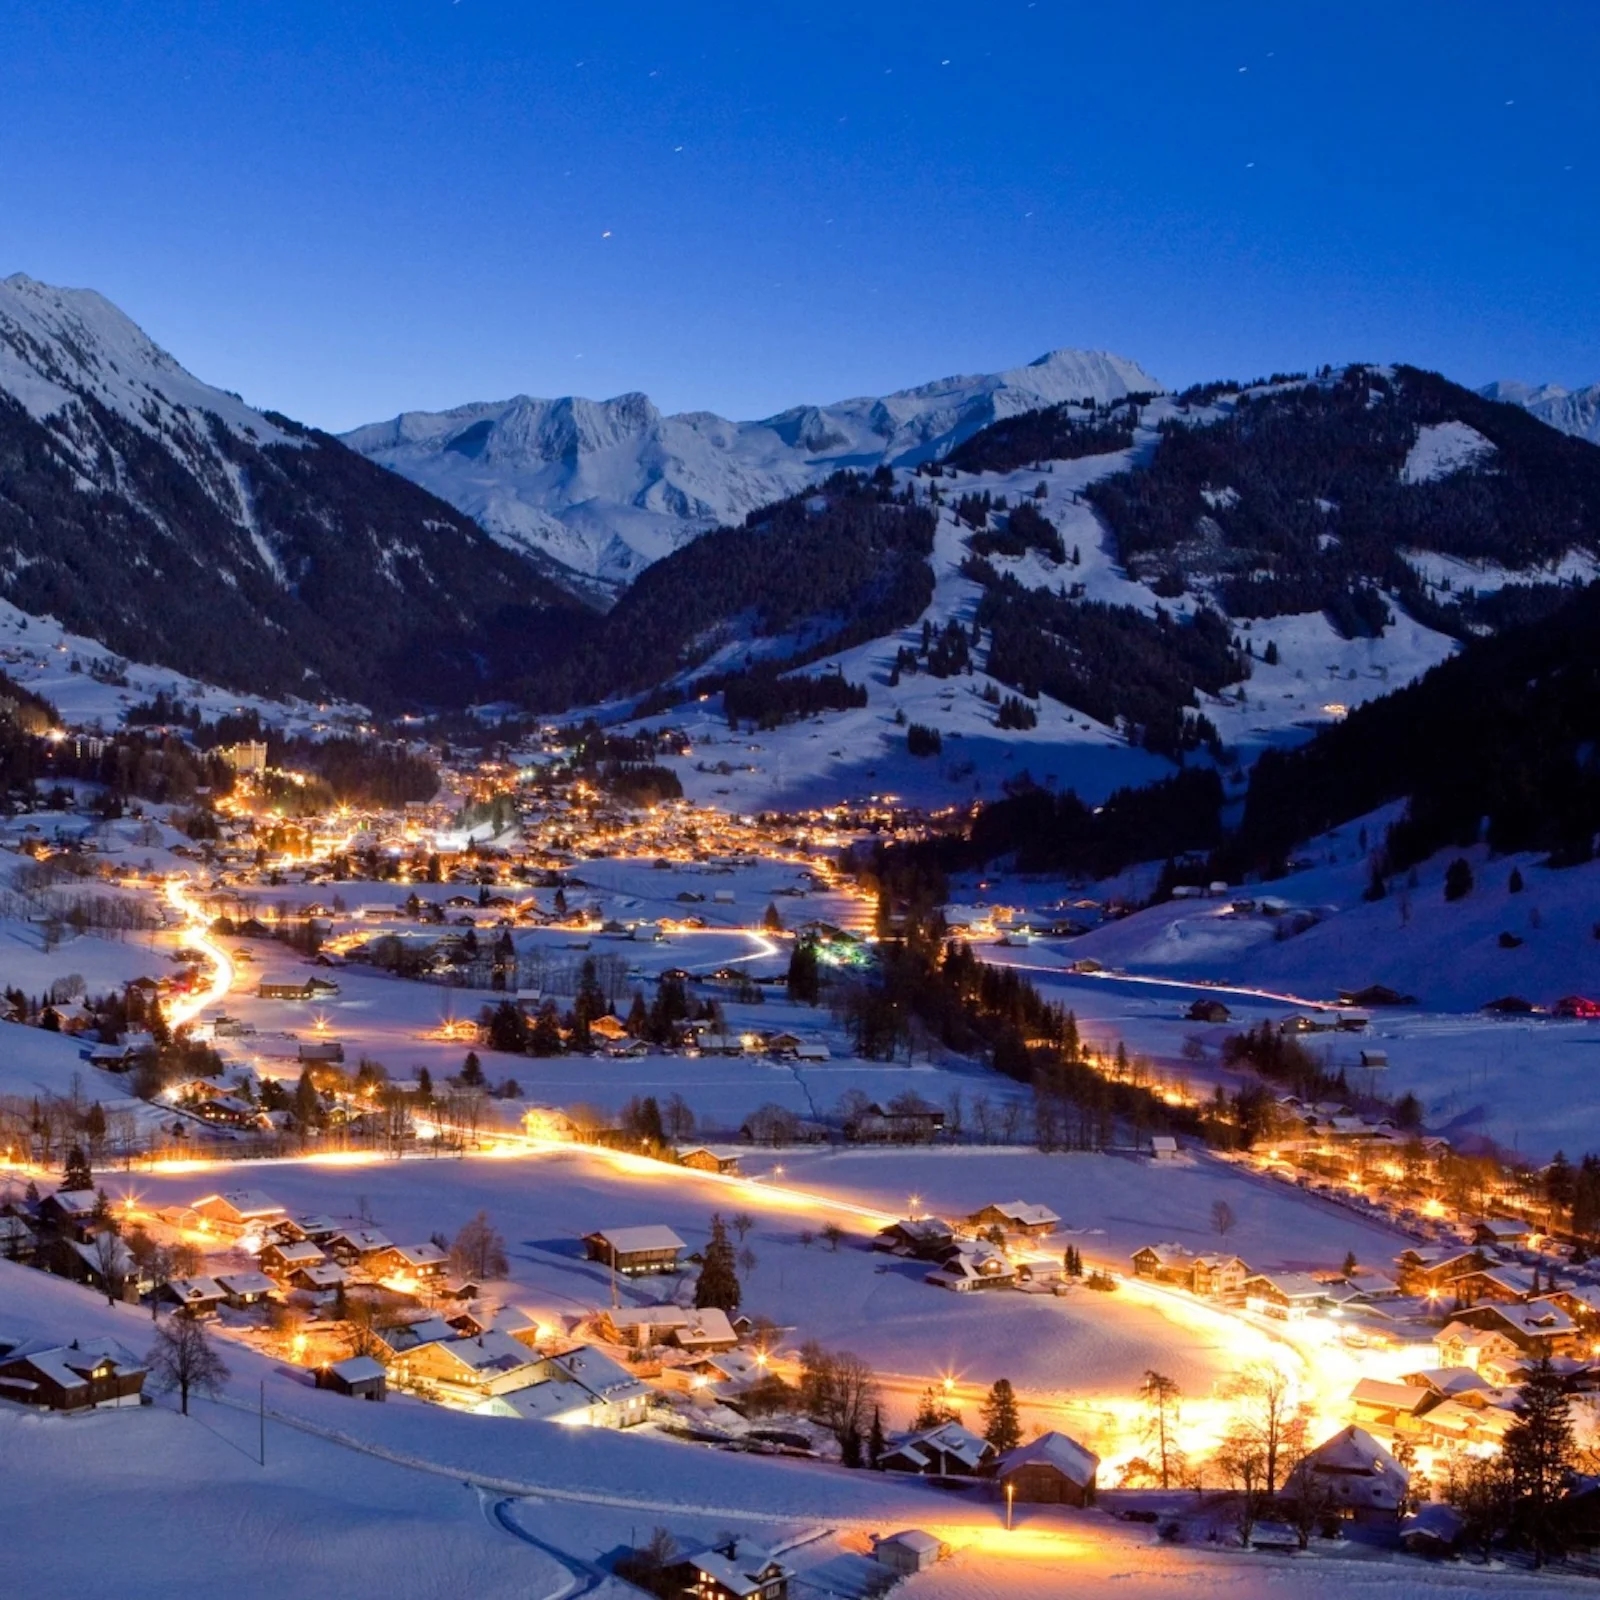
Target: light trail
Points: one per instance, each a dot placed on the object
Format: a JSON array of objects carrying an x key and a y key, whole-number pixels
[{"x": 198, "y": 934}]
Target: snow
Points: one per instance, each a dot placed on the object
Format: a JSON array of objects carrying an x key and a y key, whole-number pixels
[
  {"x": 1574, "y": 411},
  {"x": 42, "y": 655},
  {"x": 1461, "y": 577},
  {"x": 57, "y": 343},
  {"x": 1442, "y": 448},
  {"x": 607, "y": 487}
]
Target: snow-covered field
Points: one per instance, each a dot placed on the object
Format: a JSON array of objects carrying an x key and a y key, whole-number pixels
[{"x": 419, "y": 1503}]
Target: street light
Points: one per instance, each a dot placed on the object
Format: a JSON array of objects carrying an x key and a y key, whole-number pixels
[{"x": 1011, "y": 1494}]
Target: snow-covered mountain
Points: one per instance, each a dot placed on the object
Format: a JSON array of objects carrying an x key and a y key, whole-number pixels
[
  {"x": 168, "y": 520},
  {"x": 1574, "y": 411},
  {"x": 608, "y": 487}
]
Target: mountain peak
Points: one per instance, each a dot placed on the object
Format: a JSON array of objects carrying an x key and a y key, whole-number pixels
[
  {"x": 607, "y": 486},
  {"x": 1574, "y": 411}
]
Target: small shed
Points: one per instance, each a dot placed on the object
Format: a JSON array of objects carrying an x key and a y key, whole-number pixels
[
  {"x": 360, "y": 1377},
  {"x": 1163, "y": 1147},
  {"x": 651, "y": 1248},
  {"x": 1375, "y": 1059},
  {"x": 908, "y": 1552}
]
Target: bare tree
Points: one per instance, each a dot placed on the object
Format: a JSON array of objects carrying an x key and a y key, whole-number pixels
[
  {"x": 1268, "y": 1412},
  {"x": 1243, "y": 1464},
  {"x": 1310, "y": 1499},
  {"x": 837, "y": 1390},
  {"x": 182, "y": 1359},
  {"x": 111, "y": 1262},
  {"x": 832, "y": 1235},
  {"x": 1222, "y": 1218},
  {"x": 1161, "y": 1397},
  {"x": 742, "y": 1222},
  {"x": 677, "y": 1117},
  {"x": 479, "y": 1250},
  {"x": 983, "y": 1117}
]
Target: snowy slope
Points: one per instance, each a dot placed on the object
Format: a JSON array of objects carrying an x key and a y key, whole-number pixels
[
  {"x": 59, "y": 345},
  {"x": 607, "y": 487},
  {"x": 1574, "y": 411},
  {"x": 135, "y": 482}
]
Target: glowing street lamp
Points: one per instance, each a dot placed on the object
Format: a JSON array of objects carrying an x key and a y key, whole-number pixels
[{"x": 1011, "y": 1495}]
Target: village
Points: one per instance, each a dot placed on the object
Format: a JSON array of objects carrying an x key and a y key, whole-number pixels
[{"x": 482, "y": 1102}]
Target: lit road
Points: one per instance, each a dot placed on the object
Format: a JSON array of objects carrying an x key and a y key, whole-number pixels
[{"x": 186, "y": 1008}]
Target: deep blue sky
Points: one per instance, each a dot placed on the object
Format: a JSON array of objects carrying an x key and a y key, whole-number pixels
[{"x": 343, "y": 209}]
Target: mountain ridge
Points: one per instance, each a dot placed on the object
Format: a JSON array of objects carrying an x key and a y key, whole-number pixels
[
  {"x": 606, "y": 487},
  {"x": 167, "y": 519}
]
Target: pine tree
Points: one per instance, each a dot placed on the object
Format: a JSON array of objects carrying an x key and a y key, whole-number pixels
[
  {"x": 1001, "y": 1425},
  {"x": 718, "y": 1284},
  {"x": 77, "y": 1176},
  {"x": 876, "y": 1444},
  {"x": 933, "y": 1410},
  {"x": 307, "y": 1103},
  {"x": 1538, "y": 1455},
  {"x": 472, "y": 1071}
]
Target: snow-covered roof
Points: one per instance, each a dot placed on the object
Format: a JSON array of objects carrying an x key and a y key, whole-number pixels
[
  {"x": 598, "y": 1373},
  {"x": 912, "y": 1539},
  {"x": 950, "y": 1439},
  {"x": 358, "y": 1369},
  {"x": 246, "y": 1282},
  {"x": 1376, "y": 1392},
  {"x": 737, "y": 1566},
  {"x": 1358, "y": 1471},
  {"x": 244, "y": 1204},
  {"x": 1074, "y": 1461},
  {"x": 1021, "y": 1213},
  {"x": 649, "y": 1236}
]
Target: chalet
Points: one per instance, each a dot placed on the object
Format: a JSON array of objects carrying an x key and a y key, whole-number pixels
[
  {"x": 283, "y": 989},
  {"x": 284, "y": 1260},
  {"x": 737, "y": 1569},
  {"x": 1016, "y": 1217},
  {"x": 226, "y": 1111},
  {"x": 1287, "y": 1295},
  {"x": 704, "y": 1331},
  {"x": 633, "y": 1251},
  {"x": 1477, "y": 1421},
  {"x": 238, "y": 1212},
  {"x": 319, "y": 1229},
  {"x": 67, "y": 1017},
  {"x": 1206, "y": 1010},
  {"x": 491, "y": 1364},
  {"x": 1209, "y": 1275},
  {"x": 360, "y": 1377},
  {"x": 324, "y": 1278},
  {"x": 1394, "y": 1407},
  {"x": 352, "y": 1247},
  {"x": 947, "y": 1451},
  {"x": 1358, "y": 1476},
  {"x": 627, "y": 1048},
  {"x": 581, "y": 1388},
  {"x": 720, "y": 1044},
  {"x": 241, "y": 1289},
  {"x": 1481, "y": 1349},
  {"x": 401, "y": 1339},
  {"x": 909, "y": 1120},
  {"x": 973, "y": 1264},
  {"x": 705, "y": 1158},
  {"x": 1053, "y": 1470},
  {"x": 1433, "y": 1530},
  {"x": 781, "y": 1044},
  {"x": 1536, "y": 1327},
  {"x": 908, "y": 1552},
  {"x": 18, "y": 1239},
  {"x": 422, "y": 1262},
  {"x": 1505, "y": 1233},
  {"x": 1424, "y": 1272},
  {"x": 82, "y": 1376},
  {"x": 921, "y": 1238},
  {"x": 120, "y": 1275},
  {"x": 196, "y": 1297},
  {"x": 69, "y": 1212},
  {"x": 320, "y": 1051}
]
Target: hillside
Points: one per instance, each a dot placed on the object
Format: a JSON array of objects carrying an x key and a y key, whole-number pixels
[
  {"x": 608, "y": 487},
  {"x": 1341, "y": 494},
  {"x": 299, "y": 567}
]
